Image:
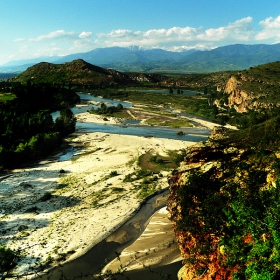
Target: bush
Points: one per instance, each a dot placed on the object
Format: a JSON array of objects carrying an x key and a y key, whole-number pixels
[
  {"x": 113, "y": 173},
  {"x": 153, "y": 158},
  {"x": 47, "y": 196},
  {"x": 7, "y": 259},
  {"x": 156, "y": 159}
]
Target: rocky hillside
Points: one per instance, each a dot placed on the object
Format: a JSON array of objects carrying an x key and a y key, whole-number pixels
[
  {"x": 255, "y": 88},
  {"x": 224, "y": 204},
  {"x": 252, "y": 89},
  {"x": 79, "y": 72}
]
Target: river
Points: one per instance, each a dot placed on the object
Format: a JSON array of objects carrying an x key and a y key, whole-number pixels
[
  {"x": 93, "y": 261},
  {"x": 131, "y": 127}
]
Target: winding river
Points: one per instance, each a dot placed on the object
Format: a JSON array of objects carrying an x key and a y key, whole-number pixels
[
  {"x": 131, "y": 127},
  {"x": 93, "y": 261}
]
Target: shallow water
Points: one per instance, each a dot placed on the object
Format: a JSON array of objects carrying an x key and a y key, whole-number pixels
[
  {"x": 191, "y": 134},
  {"x": 95, "y": 259},
  {"x": 97, "y": 100},
  {"x": 133, "y": 127}
]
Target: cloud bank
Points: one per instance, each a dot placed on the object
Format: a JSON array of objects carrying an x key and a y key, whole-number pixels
[
  {"x": 61, "y": 42},
  {"x": 188, "y": 37}
]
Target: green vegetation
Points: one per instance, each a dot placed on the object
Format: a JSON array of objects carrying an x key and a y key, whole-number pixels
[
  {"x": 242, "y": 215},
  {"x": 161, "y": 103},
  {"x": 8, "y": 259},
  {"x": 117, "y": 190},
  {"x": 107, "y": 110},
  {"x": 140, "y": 174},
  {"x": 231, "y": 210},
  {"x": 147, "y": 188},
  {"x": 27, "y": 129},
  {"x": 78, "y": 75},
  {"x": 47, "y": 196},
  {"x": 156, "y": 163},
  {"x": 6, "y": 96}
]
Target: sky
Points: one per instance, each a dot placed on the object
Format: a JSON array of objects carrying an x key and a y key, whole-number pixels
[{"x": 35, "y": 28}]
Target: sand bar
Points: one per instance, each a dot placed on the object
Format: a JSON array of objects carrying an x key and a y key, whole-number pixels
[{"x": 57, "y": 210}]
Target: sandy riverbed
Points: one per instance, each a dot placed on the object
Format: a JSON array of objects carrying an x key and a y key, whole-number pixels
[{"x": 59, "y": 209}]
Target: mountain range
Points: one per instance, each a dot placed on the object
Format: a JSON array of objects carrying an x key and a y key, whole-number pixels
[{"x": 231, "y": 57}]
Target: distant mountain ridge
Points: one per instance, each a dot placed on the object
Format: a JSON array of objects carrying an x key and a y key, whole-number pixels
[{"x": 231, "y": 57}]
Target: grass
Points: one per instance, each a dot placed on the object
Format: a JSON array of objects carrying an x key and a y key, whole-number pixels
[
  {"x": 6, "y": 96},
  {"x": 97, "y": 197},
  {"x": 174, "y": 123},
  {"x": 146, "y": 190},
  {"x": 160, "y": 163},
  {"x": 192, "y": 104}
]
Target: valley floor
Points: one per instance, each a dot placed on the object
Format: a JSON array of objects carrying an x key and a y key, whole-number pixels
[{"x": 57, "y": 210}]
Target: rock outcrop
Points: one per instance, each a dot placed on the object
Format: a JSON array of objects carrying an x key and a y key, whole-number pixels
[
  {"x": 201, "y": 191},
  {"x": 205, "y": 157},
  {"x": 237, "y": 98}
]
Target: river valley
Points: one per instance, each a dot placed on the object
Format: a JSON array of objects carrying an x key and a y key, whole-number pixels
[{"x": 60, "y": 210}]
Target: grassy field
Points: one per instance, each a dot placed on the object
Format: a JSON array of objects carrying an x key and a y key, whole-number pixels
[
  {"x": 6, "y": 96},
  {"x": 160, "y": 103}
]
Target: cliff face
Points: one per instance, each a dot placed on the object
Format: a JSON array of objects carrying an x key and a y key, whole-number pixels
[
  {"x": 253, "y": 89},
  {"x": 209, "y": 194},
  {"x": 238, "y": 99}
]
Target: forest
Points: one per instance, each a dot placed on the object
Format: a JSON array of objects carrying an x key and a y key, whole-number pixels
[{"x": 27, "y": 128}]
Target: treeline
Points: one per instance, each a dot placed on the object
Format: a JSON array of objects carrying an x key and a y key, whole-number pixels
[
  {"x": 107, "y": 110},
  {"x": 27, "y": 129}
]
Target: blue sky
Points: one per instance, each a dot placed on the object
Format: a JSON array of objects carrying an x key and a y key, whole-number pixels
[{"x": 32, "y": 28}]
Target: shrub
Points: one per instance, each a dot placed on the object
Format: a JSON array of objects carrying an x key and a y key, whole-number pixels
[
  {"x": 47, "y": 196},
  {"x": 7, "y": 259},
  {"x": 113, "y": 173}
]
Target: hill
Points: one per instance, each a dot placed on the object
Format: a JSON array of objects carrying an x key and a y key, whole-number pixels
[
  {"x": 224, "y": 197},
  {"x": 245, "y": 90},
  {"x": 77, "y": 72}
]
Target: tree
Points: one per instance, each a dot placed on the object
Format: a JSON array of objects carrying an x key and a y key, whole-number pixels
[
  {"x": 66, "y": 122},
  {"x": 119, "y": 107}
]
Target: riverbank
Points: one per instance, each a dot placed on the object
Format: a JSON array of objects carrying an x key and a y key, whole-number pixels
[
  {"x": 154, "y": 255},
  {"x": 56, "y": 211}
]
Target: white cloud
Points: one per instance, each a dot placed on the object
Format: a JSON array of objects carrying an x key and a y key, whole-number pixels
[
  {"x": 271, "y": 29},
  {"x": 270, "y": 23},
  {"x": 19, "y": 40},
  {"x": 149, "y": 38},
  {"x": 85, "y": 34},
  {"x": 59, "y": 34},
  {"x": 180, "y": 37},
  {"x": 61, "y": 42},
  {"x": 239, "y": 31}
]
